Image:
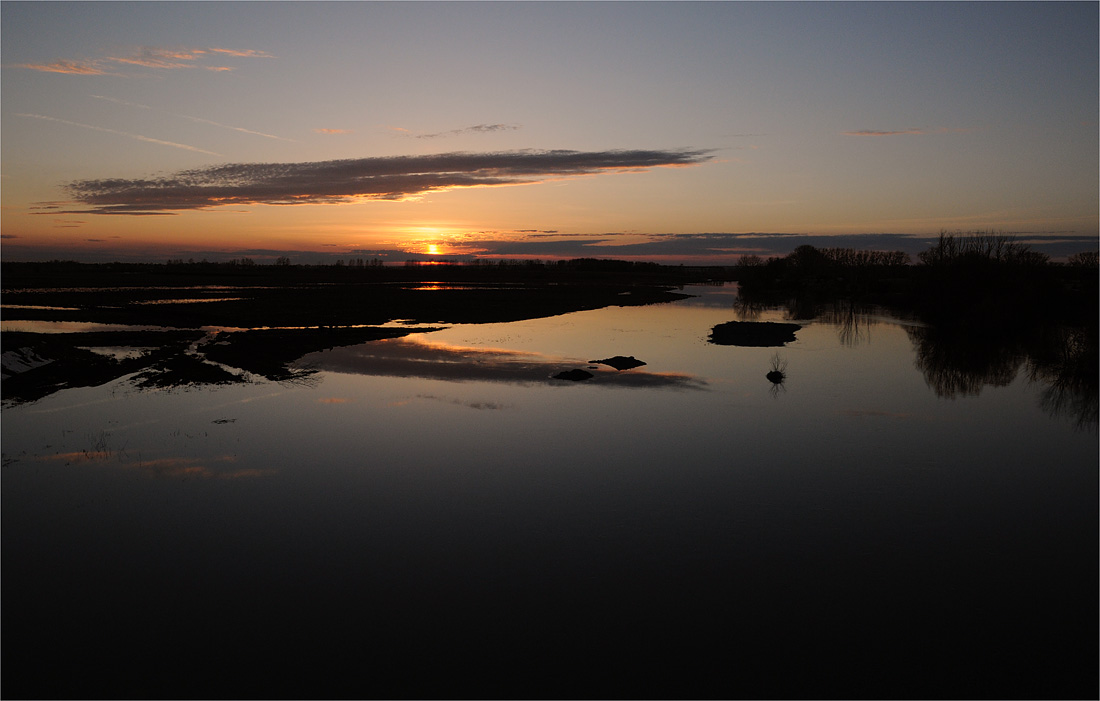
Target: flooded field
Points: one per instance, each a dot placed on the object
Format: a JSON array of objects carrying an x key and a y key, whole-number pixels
[{"x": 429, "y": 510}]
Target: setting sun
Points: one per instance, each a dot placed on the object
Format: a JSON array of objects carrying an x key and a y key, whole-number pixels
[{"x": 433, "y": 249}]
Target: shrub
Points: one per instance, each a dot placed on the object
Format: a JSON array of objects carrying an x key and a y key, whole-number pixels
[
  {"x": 980, "y": 248},
  {"x": 1085, "y": 259}
]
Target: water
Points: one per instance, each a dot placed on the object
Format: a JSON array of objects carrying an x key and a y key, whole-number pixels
[{"x": 433, "y": 516}]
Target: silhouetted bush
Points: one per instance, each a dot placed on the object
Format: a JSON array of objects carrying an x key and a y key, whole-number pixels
[
  {"x": 989, "y": 276},
  {"x": 1085, "y": 259},
  {"x": 815, "y": 273},
  {"x": 981, "y": 248}
]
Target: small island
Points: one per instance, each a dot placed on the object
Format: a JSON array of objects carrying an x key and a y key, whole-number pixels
[
  {"x": 619, "y": 362},
  {"x": 759, "y": 334}
]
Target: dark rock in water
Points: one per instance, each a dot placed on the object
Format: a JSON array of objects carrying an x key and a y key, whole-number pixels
[
  {"x": 620, "y": 362},
  {"x": 776, "y": 377},
  {"x": 753, "y": 333},
  {"x": 573, "y": 375}
]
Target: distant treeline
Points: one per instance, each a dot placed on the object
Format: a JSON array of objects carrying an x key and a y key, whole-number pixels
[
  {"x": 597, "y": 264},
  {"x": 245, "y": 271},
  {"x": 976, "y": 272},
  {"x": 971, "y": 264}
]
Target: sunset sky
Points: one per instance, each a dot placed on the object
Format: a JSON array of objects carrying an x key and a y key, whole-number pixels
[{"x": 663, "y": 131}]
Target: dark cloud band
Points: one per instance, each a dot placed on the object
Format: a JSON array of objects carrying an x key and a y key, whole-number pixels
[
  {"x": 387, "y": 178},
  {"x": 476, "y": 129}
]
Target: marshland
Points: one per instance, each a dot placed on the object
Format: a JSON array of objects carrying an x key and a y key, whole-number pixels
[{"x": 808, "y": 476}]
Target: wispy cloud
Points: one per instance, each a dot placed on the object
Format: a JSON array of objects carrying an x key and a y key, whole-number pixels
[
  {"x": 475, "y": 129},
  {"x": 386, "y": 178},
  {"x": 333, "y": 131},
  {"x": 243, "y": 53},
  {"x": 153, "y": 57},
  {"x": 727, "y": 248},
  {"x": 139, "y": 137},
  {"x": 193, "y": 119},
  {"x": 688, "y": 248},
  {"x": 903, "y": 132},
  {"x": 88, "y": 67},
  {"x": 121, "y": 102},
  {"x": 877, "y": 132},
  {"x": 160, "y": 58}
]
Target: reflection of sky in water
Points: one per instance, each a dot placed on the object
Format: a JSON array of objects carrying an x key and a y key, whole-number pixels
[
  {"x": 189, "y": 300},
  {"x": 426, "y": 357},
  {"x": 118, "y": 352},
  {"x": 34, "y": 326},
  {"x": 840, "y": 399},
  {"x": 37, "y": 306},
  {"x": 525, "y": 498}
]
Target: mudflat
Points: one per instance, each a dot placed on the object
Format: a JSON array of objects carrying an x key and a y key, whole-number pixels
[{"x": 204, "y": 323}]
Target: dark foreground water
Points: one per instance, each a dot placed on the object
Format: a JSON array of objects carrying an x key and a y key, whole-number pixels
[{"x": 432, "y": 516}]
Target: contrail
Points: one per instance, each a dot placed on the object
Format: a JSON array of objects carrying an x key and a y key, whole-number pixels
[
  {"x": 193, "y": 119},
  {"x": 226, "y": 126},
  {"x": 121, "y": 102},
  {"x": 139, "y": 137}
]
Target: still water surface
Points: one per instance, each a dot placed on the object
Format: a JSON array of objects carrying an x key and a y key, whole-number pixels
[{"x": 433, "y": 516}]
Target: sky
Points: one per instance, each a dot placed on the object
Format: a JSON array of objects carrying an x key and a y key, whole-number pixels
[{"x": 674, "y": 132}]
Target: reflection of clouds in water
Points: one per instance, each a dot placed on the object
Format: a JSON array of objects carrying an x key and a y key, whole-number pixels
[
  {"x": 195, "y": 467},
  {"x": 493, "y": 406},
  {"x": 415, "y": 357},
  {"x": 333, "y": 400},
  {"x": 198, "y": 468}
]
